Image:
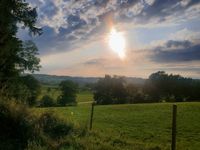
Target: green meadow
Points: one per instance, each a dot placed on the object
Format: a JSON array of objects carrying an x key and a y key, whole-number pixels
[
  {"x": 130, "y": 126},
  {"x": 84, "y": 96},
  {"x": 134, "y": 126},
  {"x": 54, "y": 92}
]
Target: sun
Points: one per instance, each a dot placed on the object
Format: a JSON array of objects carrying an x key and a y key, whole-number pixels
[{"x": 117, "y": 43}]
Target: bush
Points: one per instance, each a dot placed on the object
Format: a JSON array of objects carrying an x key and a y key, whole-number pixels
[
  {"x": 47, "y": 101},
  {"x": 54, "y": 127},
  {"x": 16, "y": 127},
  {"x": 66, "y": 101},
  {"x": 20, "y": 130}
]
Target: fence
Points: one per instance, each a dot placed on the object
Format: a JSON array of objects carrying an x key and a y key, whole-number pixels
[{"x": 173, "y": 127}]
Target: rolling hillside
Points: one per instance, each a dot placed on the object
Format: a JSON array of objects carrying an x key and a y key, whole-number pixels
[{"x": 54, "y": 79}]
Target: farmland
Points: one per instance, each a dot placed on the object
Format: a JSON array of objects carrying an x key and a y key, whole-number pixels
[
  {"x": 134, "y": 126},
  {"x": 54, "y": 92}
]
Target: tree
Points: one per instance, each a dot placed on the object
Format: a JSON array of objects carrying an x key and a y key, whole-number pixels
[
  {"x": 102, "y": 91},
  {"x": 134, "y": 94},
  {"x": 152, "y": 87},
  {"x": 110, "y": 90},
  {"x": 162, "y": 86},
  {"x": 16, "y": 56},
  {"x": 69, "y": 90},
  {"x": 46, "y": 101},
  {"x": 33, "y": 86}
]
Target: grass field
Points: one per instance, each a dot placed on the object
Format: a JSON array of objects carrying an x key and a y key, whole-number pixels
[
  {"x": 135, "y": 126},
  {"x": 84, "y": 96},
  {"x": 51, "y": 91},
  {"x": 54, "y": 92}
]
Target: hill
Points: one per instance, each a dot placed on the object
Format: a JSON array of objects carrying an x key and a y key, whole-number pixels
[{"x": 54, "y": 79}]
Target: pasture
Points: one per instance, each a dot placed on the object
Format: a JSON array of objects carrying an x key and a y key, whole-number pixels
[
  {"x": 54, "y": 92},
  {"x": 135, "y": 126}
]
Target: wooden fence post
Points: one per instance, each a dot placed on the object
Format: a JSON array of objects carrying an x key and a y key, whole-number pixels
[
  {"x": 174, "y": 113},
  {"x": 91, "y": 116}
]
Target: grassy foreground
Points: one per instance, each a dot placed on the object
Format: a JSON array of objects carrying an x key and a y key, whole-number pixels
[{"x": 136, "y": 126}]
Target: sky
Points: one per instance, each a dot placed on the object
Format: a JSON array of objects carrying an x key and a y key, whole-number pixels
[{"x": 158, "y": 35}]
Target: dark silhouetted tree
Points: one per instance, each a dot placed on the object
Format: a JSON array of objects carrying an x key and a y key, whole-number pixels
[
  {"x": 110, "y": 90},
  {"x": 69, "y": 90},
  {"x": 33, "y": 86},
  {"x": 46, "y": 101},
  {"x": 135, "y": 94},
  {"x": 16, "y": 56},
  {"x": 162, "y": 86}
]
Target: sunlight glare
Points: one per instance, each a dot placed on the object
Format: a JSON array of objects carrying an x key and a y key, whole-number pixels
[{"x": 117, "y": 43}]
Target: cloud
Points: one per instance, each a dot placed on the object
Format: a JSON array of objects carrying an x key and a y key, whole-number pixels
[
  {"x": 104, "y": 63},
  {"x": 176, "y": 51},
  {"x": 77, "y": 21},
  {"x": 178, "y": 44},
  {"x": 174, "y": 37},
  {"x": 81, "y": 26},
  {"x": 49, "y": 10},
  {"x": 97, "y": 61},
  {"x": 186, "y": 34},
  {"x": 159, "y": 11}
]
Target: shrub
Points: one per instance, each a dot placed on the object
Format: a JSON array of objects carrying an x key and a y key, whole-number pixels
[
  {"x": 53, "y": 126},
  {"x": 69, "y": 101},
  {"x": 47, "y": 101},
  {"x": 16, "y": 127},
  {"x": 20, "y": 130}
]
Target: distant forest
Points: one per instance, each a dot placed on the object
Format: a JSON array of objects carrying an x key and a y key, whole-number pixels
[{"x": 55, "y": 80}]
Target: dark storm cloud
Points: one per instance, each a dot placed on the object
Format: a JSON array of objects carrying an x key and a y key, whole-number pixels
[{"x": 187, "y": 52}]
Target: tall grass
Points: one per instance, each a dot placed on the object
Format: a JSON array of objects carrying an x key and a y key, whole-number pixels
[{"x": 20, "y": 129}]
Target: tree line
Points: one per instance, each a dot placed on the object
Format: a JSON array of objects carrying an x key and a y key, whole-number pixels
[{"x": 159, "y": 87}]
